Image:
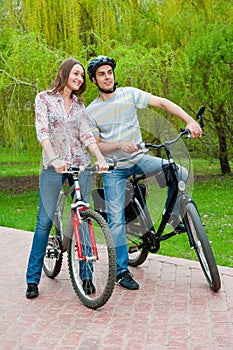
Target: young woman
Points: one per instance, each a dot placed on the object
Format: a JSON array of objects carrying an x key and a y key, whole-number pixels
[{"x": 64, "y": 134}]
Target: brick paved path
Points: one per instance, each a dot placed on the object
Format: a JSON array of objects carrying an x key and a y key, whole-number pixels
[{"x": 174, "y": 309}]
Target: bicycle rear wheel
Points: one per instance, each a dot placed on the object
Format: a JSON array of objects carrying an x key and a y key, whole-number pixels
[
  {"x": 100, "y": 267},
  {"x": 135, "y": 234},
  {"x": 201, "y": 244},
  {"x": 54, "y": 251},
  {"x": 53, "y": 257}
]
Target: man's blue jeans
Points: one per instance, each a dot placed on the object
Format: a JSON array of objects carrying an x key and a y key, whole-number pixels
[
  {"x": 114, "y": 189},
  {"x": 50, "y": 186}
]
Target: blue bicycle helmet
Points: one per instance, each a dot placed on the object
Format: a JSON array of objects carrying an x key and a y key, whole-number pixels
[{"x": 97, "y": 62}]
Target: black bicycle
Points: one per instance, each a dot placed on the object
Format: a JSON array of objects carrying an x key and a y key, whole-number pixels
[
  {"x": 141, "y": 234},
  {"x": 85, "y": 236}
]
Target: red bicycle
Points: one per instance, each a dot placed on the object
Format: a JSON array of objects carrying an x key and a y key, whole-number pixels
[{"x": 85, "y": 236}]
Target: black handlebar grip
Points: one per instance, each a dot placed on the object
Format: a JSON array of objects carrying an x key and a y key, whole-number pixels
[{"x": 111, "y": 167}]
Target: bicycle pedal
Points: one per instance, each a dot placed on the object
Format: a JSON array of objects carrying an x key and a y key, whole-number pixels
[
  {"x": 180, "y": 228},
  {"x": 53, "y": 253},
  {"x": 179, "y": 232},
  {"x": 133, "y": 249}
]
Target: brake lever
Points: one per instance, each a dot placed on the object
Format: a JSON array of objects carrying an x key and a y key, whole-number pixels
[
  {"x": 183, "y": 130},
  {"x": 199, "y": 116},
  {"x": 142, "y": 147}
]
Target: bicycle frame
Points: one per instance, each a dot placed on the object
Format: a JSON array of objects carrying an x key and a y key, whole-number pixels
[
  {"x": 156, "y": 236},
  {"x": 172, "y": 201},
  {"x": 75, "y": 219}
]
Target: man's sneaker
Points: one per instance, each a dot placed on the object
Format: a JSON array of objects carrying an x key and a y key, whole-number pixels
[
  {"x": 32, "y": 291},
  {"x": 88, "y": 287},
  {"x": 178, "y": 225},
  {"x": 126, "y": 281}
]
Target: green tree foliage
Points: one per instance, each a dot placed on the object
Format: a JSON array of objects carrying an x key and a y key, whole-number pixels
[
  {"x": 210, "y": 56},
  {"x": 178, "y": 49},
  {"x": 26, "y": 68}
]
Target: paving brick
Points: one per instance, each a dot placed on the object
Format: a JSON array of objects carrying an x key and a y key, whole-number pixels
[{"x": 174, "y": 308}]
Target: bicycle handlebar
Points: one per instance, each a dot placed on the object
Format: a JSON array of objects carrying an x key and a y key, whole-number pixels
[
  {"x": 92, "y": 169},
  {"x": 142, "y": 145}
]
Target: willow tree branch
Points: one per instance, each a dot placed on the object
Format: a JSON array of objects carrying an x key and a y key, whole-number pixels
[{"x": 17, "y": 81}]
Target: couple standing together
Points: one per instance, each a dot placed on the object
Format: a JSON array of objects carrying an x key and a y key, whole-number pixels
[{"x": 108, "y": 128}]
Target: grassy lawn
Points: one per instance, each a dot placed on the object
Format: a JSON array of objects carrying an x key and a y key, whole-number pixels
[
  {"x": 19, "y": 211},
  {"x": 214, "y": 202},
  {"x": 19, "y": 163},
  {"x": 213, "y": 197}
]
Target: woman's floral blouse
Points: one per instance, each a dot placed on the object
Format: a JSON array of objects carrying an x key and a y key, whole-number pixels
[{"x": 69, "y": 134}]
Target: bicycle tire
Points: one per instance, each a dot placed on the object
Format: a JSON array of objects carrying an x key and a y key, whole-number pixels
[
  {"x": 54, "y": 251},
  {"x": 101, "y": 270},
  {"x": 202, "y": 245},
  {"x": 135, "y": 234},
  {"x": 53, "y": 257}
]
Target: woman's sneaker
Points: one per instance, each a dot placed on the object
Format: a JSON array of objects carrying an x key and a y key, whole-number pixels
[
  {"x": 32, "y": 291},
  {"x": 126, "y": 281},
  {"x": 88, "y": 287}
]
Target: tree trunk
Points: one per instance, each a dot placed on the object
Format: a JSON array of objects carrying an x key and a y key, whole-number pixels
[{"x": 223, "y": 154}]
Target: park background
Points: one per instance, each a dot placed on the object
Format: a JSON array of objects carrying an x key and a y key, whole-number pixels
[{"x": 181, "y": 50}]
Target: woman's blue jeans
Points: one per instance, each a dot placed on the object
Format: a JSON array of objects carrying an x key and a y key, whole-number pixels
[
  {"x": 114, "y": 189},
  {"x": 50, "y": 186}
]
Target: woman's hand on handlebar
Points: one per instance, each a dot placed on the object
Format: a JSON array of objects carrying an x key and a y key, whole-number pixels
[
  {"x": 60, "y": 165},
  {"x": 195, "y": 129}
]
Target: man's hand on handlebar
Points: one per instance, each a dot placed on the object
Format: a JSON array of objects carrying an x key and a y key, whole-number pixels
[
  {"x": 194, "y": 129},
  {"x": 128, "y": 147}
]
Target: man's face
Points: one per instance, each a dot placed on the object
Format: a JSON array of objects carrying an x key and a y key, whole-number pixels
[{"x": 104, "y": 77}]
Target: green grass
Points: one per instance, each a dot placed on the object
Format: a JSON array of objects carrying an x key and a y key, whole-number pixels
[
  {"x": 19, "y": 211},
  {"x": 203, "y": 167},
  {"x": 19, "y": 163},
  {"x": 213, "y": 198},
  {"x": 214, "y": 202}
]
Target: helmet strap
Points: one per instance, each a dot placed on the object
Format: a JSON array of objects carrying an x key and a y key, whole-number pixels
[{"x": 107, "y": 91}]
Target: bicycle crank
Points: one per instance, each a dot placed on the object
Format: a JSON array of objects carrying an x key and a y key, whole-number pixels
[{"x": 149, "y": 241}]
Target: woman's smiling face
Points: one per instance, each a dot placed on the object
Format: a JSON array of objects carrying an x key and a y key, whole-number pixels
[{"x": 76, "y": 77}]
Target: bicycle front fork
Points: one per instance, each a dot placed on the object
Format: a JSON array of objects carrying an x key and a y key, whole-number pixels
[{"x": 85, "y": 239}]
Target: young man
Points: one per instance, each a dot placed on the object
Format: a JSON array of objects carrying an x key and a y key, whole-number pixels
[{"x": 116, "y": 128}]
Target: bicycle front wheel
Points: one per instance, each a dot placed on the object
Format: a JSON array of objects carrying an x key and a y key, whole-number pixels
[
  {"x": 201, "y": 244},
  {"x": 93, "y": 276}
]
